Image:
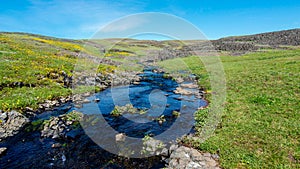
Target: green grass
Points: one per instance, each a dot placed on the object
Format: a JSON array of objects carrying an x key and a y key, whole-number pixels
[
  {"x": 260, "y": 125},
  {"x": 39, "y": 63}
]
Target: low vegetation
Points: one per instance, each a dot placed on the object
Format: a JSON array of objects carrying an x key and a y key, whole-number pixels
[
  {"x": 260, "y": 124},
  {"x": 34, "y": 68}
]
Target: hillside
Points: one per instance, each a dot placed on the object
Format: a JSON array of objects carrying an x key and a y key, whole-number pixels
[{"x": 272, "y": 40}]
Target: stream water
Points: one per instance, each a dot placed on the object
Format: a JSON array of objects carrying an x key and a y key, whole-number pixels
[{"x": 154, "y": 94}]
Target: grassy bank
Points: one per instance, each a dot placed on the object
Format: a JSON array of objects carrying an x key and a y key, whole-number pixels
[
  {"x": 260, "y": 124},
  {"x": 33, "y": 68}
]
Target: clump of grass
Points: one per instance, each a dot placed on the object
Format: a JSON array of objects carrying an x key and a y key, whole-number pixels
[
  {"x": 116, "y": 112},
  {"x": 176, "y": 114},
  {"x": 119, "y": 110},
  {"x": 106, "y": 69},
  {"x": 117, "y": 54},
  {"x": 61, "y": 44}
]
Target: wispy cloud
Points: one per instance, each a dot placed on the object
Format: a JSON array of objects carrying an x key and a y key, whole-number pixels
[{"x": 124, "y": 24}]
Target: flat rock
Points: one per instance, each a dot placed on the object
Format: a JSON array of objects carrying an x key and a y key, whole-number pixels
[
  {"x": 189, "y": 85},
  {"x": 182, "y": 91}
]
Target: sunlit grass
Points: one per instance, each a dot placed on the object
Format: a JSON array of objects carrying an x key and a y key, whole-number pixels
[{"x": 260, "y": 125}]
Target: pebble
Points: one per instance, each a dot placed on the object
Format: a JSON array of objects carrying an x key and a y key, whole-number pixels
[
  {"x": 78, "y": 106},
  {"x": 97, "y": 100},
  {"x": 63, "y": 158},
  {"x": 56, "y": 145},
  {"x": 86, "y": 101},
  {"x": 120, "y": 137}
]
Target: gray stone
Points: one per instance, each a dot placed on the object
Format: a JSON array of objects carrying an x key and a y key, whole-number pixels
[
  {"x": 3, "y": 116},
  {"x": 179, "y": 80},
  {"x": 189, "y": 85},
  {"x": 97, "y": 100},
  {"x": 185, "y": 157},
  {"x": 215, "y": 156},
  {"x": 153, "y": 147},
  {"x": 13, "y": 123},
  {"x": 78, "y": 106},
  {"x": 120, "y": 137},
  {"x": 207, "y": 155},
  {"x": 193, "y": 165},
  {"x": 165, "y": 152},
  {"x": 182, "y": 91},
  {"x": 86, "y": 94},
  {"x": 173, "y": 147},
  {"x": 56, "y": 145},
  {"x": 86, "y": 101}
]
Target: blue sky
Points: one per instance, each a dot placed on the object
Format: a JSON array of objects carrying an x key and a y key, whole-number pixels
[{"x": 83, "y": 18}]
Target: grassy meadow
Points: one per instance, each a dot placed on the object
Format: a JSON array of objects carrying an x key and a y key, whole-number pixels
[
  {"x": 33, "y": 67},
  {"x": 260, "y": 125}
]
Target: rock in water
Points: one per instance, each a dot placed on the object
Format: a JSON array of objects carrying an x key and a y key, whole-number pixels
[
  {"x": 56, "y": 145},
  {"x": 120, "y": 137},
  {"x": 97, "y": 100},
  {"x": 63, "y": 158},
  {"x": 2, "y": 151}
]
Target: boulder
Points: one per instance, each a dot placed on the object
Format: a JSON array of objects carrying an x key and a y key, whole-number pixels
[
  {"x": 189, "y": 158},
  {"x": 12, "y": 123}
]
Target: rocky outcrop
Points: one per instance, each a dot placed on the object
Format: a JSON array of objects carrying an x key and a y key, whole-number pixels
[
  {"x": 234, "y": 46},
  {"x": 248, "y": 43},
  {"x": 11, "y": 123},
  {"x": 105, "y": 80},
  {"x": 286, "y": 37}
]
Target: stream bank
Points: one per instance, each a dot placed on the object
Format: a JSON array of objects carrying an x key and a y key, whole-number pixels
[{"x": 55, "y": 139}]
